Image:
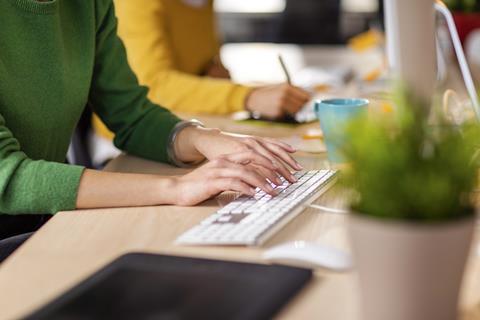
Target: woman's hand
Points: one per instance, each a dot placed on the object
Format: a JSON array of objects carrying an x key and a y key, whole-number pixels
[
  {"x": 193, "y": 143},
  {"x": 238, "y": 163},
  {"x": 275, "y": 101},
  {"x": 236, "y": 172}
]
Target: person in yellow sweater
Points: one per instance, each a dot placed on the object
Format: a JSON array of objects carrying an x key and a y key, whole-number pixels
[{"x": 173, "y": 47}]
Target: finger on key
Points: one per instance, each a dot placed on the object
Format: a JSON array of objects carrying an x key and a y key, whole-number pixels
[
  {"x": 249, "y": 176},
  {"x": 282, "y": 154},
  {"x": 251, "y": 156}
]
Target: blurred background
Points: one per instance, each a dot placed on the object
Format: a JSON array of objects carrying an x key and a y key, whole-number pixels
[
  {"x": 331, "y": 48},
  {"x": 296, "y": 21}
]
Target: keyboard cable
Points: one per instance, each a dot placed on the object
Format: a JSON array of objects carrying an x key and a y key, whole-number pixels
[
  {"x": 343, "y": 211},
  {"x": 328, "y": 209}
]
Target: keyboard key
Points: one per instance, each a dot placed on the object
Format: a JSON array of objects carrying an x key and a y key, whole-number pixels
[{"x": 245, "y": 220}]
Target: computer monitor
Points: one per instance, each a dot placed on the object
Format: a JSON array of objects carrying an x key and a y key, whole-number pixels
[
  {"x": 445, "y": 13},
  {"x": 412, "y": 46}
]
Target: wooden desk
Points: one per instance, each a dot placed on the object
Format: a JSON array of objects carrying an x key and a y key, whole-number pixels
[{"x": 73, "y": 245}]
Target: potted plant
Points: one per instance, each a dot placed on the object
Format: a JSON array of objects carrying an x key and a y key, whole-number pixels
[
  {"x": 466, "y": 14},
  {"x": 412, "y": 216}
]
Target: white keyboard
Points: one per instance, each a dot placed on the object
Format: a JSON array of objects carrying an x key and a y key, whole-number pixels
[{"x": 252, "y": 220}]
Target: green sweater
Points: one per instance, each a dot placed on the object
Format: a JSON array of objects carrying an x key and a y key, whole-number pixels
[{"x": 55, "y": 58}]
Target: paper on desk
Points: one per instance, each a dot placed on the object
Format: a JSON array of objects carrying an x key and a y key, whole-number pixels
[
  {"x": 320, "y": 82},
  {"x": 305, "y": 143},
  {"x": 313, "y": 78}
]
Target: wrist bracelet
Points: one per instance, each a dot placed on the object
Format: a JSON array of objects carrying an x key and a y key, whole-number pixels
[{"x": 172, "y": 157}]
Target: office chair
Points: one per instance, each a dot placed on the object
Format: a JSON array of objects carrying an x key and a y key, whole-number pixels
[{"x": 79, "y": 147}]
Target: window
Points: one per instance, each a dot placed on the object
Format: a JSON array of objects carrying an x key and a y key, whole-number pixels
[
  {"x": 243, "y": 6},
  {"x": 360, "y": 5}
]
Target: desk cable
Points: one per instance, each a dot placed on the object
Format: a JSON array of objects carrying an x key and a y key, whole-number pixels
[{"x": 328, "y": 209}]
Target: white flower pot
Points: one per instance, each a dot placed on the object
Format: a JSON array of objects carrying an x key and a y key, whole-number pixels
[{"x": 410, "y": 271}]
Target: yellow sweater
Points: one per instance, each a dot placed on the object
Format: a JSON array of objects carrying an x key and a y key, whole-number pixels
[{"x": 169, "y": 45}]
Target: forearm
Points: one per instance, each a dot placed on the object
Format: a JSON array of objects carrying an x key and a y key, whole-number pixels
[
  {"x": 187, "y": 140},
  {"x": 239, "y": 163},
  {"x": 99, "y": 189},
  {"x": 141, "y": 128}
]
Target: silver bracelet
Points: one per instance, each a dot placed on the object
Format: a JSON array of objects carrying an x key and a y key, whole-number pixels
[{"x": 172, "y": 157}]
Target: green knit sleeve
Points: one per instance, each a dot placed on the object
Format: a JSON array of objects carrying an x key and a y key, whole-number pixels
[
  {"x": 140, "y": 127},
  {"x": 33, "y": 186}
]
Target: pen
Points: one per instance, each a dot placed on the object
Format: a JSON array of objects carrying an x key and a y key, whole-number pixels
[{"x": 284, "y": 68}]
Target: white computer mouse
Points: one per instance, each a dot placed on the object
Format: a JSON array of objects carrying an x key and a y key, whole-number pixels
[{"x": 309, "y": 255}]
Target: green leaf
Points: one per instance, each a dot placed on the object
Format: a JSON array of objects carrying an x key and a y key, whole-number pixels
[{"x": 401, "y": 167}]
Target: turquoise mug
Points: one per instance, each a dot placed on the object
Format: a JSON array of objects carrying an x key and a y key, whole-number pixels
[{"x": 334, "y": 114}]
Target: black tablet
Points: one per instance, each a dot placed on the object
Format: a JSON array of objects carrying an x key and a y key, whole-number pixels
[{"x": 147, "y": 286}]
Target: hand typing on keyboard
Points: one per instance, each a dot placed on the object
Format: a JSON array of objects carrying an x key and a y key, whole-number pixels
[
  {"x": 231, "y": 172},
  {"x": 239, "y": 163},
  {"x": 250, "y": 220}
]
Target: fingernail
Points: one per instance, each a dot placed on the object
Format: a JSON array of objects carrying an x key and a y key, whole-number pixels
[
  {"x": 299, "y": 166},
  {"x": 293, "y": 178},
  {"x": 268, "y": 187},
  {"x": 278, "y": 181}
]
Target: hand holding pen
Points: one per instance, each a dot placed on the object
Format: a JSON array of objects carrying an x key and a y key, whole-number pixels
[{"x": 277, "y": 101}]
